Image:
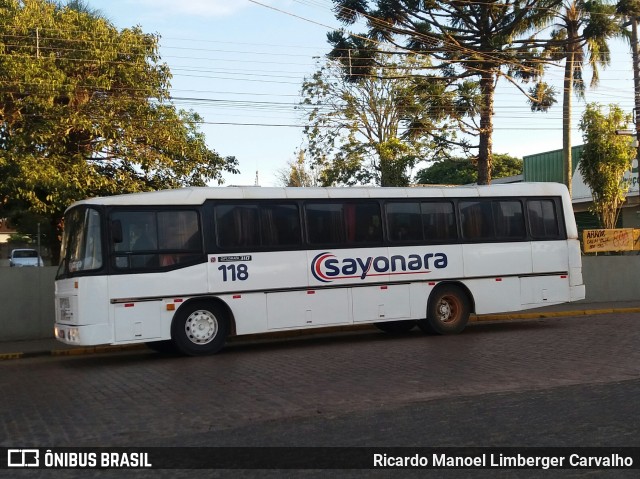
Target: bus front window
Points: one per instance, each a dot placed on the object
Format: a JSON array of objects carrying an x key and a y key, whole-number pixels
[{"x": 81, "y": 242}]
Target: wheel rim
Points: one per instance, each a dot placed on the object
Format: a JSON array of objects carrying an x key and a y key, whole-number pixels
[
  {"x": 448, "y": 309},
  {"x": 201, "y": 327}
]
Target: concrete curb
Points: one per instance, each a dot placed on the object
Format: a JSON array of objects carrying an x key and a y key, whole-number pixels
[
  {"x": 73, "y": 351},
  {"x": 96, "y": 350},
  {"x": 550, "y": 314},
  {"x": 79, "y": 351}
]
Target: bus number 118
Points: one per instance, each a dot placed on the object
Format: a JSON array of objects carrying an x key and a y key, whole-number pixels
[{"x": 234, "y": 272}]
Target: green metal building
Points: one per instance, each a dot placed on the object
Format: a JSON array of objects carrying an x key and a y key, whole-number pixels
[{"x": 548, "y": 166}]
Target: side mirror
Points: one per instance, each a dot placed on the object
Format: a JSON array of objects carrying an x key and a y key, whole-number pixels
[{"x": 116, "y": 231}]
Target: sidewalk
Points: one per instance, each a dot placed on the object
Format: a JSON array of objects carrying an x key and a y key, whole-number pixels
[{"x": 52, "y": 347}]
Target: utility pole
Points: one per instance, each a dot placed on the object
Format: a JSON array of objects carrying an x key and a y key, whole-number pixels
[
  {"x": 39, "y": 246},
  {"x": 631, "y": 11},
  {"x": 635, "y": 54}
]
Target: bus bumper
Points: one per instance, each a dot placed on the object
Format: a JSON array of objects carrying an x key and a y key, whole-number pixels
[
  {"x": 87, "y": 335},
  {"x": 577, "y": 292}
]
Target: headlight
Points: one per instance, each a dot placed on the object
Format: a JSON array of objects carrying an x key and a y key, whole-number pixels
[{"x": 73, "y": 335}]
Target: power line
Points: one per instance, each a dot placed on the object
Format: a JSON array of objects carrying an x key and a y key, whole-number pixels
[{"x": 246, "y": 76}]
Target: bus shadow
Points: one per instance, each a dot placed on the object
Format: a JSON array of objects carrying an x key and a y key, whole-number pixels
[
  {"x": 509, "y": 326},
  {"x": 240, "y": 345}
]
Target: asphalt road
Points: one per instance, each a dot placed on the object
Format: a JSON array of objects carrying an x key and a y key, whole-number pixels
[{"x": 561, "y": 382}]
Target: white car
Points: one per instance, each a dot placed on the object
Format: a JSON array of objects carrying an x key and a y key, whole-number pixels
[{"x": 25, "y": 257}]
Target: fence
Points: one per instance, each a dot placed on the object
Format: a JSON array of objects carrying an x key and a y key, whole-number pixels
[
  {"x": 27, "y": 294},
  {"x": 27, "y": 303}
]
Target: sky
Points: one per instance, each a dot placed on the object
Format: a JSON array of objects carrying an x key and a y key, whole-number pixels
[{"x": 240, "y": 64}]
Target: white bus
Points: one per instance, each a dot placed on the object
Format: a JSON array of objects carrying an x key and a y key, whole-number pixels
[{"x": 185, "y": 269}]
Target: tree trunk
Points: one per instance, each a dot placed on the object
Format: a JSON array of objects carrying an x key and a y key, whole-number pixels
[
  {"x": 485, "y": 154},
  {"x": 55, "y": 240},
  {"x": 567, "y": 168},
  {"x": 391, "y": 164}
]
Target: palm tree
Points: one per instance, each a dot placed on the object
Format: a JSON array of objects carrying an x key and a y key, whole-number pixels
[{"x": 580, "y": 36}]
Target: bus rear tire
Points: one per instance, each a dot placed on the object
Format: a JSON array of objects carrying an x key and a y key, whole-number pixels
[
  {"x": 395, "y": 327},
  {"x": 200, "y": 328},
  {"x": 448, "y": 311}
]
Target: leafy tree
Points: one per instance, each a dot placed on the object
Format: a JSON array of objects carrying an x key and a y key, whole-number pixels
[
  {"x": 30, "y": 223},
  {"x": 450, "y": 171},
  {"x": 477, "y": 42},
  {"x": 581, "y": 30},
  {"x": 85, "y": 111},
  {"x": 462, "y": 171},
  {"x": 605, "y": 159},
  {"x": 372, "y": 128},
  {"x": 297, "y": 174}
]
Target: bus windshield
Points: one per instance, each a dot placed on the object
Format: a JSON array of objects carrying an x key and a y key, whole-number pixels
[{"x": 81, "y": 248}]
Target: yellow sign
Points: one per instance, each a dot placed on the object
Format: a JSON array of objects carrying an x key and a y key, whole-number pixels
[{"x": 621, "y": 239}]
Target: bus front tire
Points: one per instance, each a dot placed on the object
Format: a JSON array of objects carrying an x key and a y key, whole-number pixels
[
  {"x": 448, "y": 311},
  {"x": 395, "y": 327},
  {"x": 200, "y": 328}
]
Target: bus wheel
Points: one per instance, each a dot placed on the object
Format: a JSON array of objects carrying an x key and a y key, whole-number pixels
[
  {"x": 447, "y": 312},
  {"x": 200, "y": 328},
  {"x": 395, "y": 327}
]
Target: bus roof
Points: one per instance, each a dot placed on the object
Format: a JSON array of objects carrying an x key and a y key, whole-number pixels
[{"x": 198, "y": 195}]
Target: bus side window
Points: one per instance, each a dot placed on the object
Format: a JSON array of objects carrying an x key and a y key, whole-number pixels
[
  {"x": 363, "y": 222},
  {"x": 237, "y": 226},
  {"x": 325, "y": 223},
  {"x": 143, "y": 241},
  {"x": 141, "y": 238},
  {"x": 136, "y": 243},
  {"x": 404, "y": 221},
  {"x": 179, "y": 237},
  {"x": 509, "y": 219},
  {"x": 477, "y": 220},
  {"x": 280, "y": 225},
  {"x": 178, "y": 230},
  {"x": 438, "y": 218},
  {"x": 543, "y": 219}
]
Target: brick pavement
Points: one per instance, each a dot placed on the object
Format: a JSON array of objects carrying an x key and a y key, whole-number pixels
[{"x": 136, "y": 396}]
